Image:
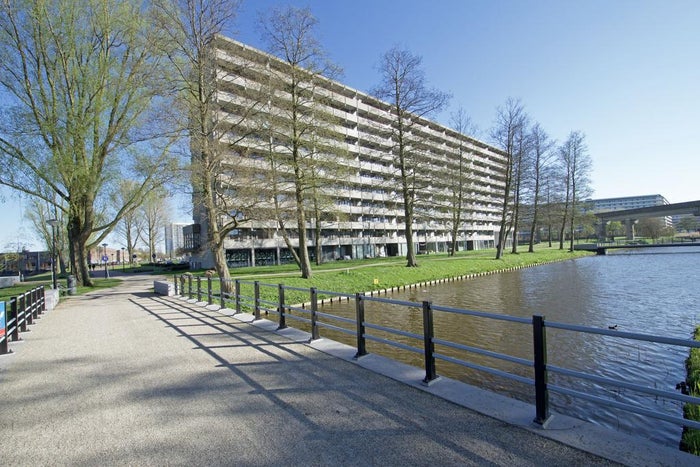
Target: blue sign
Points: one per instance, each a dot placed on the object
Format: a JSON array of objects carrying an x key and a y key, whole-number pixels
[
  {"x": 2, "y": 319},
  {"x": 105, "y": 258}
]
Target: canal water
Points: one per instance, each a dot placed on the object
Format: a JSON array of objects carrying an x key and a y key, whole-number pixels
[{"x": 654, "y": 291}]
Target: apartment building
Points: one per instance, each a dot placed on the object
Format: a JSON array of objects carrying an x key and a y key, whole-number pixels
[{"x": 364, "y": 207}]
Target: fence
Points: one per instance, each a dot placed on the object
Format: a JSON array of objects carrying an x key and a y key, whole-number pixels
[
  {"x": 24, "y": 310},
  {"x": 258, "y": 300}
]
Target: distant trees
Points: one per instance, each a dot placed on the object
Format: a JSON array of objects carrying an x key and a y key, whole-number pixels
[
  {"x": 541, "y": 158},
  {"x": 508, "y": 133},
  {"x": 576, "y": 165},
  {"x": 402, "y": 85},
  {"x": 543, "y": 183},
  {"x": 688, "y": 223}
]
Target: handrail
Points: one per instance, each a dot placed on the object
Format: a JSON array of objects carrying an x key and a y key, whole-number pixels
[
  {"x": 538, "y": 364},
  {"x": 24, "y": 310}
]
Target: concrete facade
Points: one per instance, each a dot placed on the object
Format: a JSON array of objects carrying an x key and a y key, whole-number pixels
[
  {"x": 365, "y": 214},
  {"x": 174, "y": 239}
]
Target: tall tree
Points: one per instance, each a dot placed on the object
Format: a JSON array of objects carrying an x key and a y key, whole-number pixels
[
  {"x": 84, "y": 85},
  {"x": 459, "y": 178},
  {"x": 220, "y": 182},
  {"x": 403, "y": 85},
  {"x": 577, "y": 164},
  {"x": 541, "y": 158},
  {"x": 297, "y": 122},
  {"x": 510, "y": 122},
  {"x": 521, "y": 169}
]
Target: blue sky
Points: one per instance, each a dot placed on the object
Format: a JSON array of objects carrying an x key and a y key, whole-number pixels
[{"x": 625, "y": 73}]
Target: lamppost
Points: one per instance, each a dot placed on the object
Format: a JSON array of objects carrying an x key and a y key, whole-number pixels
[
  {"x": 105, "y": 259},
  {"x": 53, "y": 223},
  {"x": 123, "y": 265}
]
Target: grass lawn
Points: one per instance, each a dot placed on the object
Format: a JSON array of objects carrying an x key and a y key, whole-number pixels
[{"x": 45, "y": 280}]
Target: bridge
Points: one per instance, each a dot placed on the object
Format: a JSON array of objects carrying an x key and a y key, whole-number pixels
[
  {"x": 601, "y": 248},
  {"x": 630, "y": 216}
]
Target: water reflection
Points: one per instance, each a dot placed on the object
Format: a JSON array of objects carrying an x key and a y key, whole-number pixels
[{"x": 643, "y": 293}]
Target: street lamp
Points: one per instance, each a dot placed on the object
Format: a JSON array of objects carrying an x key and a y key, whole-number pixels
[
  {"x": 105, "y": 259},
  {"x": 53, "y": 223}
]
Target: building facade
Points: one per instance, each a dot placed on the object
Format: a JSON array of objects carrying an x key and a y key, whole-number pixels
[
  {"x": 363, "y": 207},
  {"x": 627, "y": 202},
  {"x": 631, "y": 202},
  {"x": 174, "y": 239}
]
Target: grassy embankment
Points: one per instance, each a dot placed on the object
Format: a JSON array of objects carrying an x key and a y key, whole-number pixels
[
  {"x": 45, "y": 280},
  {"x": 386, "y": 273},
  {"x": 690, "y": 441}
]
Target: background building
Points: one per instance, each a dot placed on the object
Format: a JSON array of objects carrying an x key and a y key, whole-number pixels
[
  {"x": 364, "y": 208},
  {"x": 174, "y": 239},
  {"x": 630, "y": 202},
  {"x": 627, "y": 202}
]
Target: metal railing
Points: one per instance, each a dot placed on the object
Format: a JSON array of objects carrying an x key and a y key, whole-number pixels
[
  {"x": 23, "y": 310},
  {"x": 425, "y": 344}
]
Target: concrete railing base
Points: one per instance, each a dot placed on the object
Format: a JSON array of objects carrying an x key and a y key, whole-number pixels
[{"x": 164, "y": 288}]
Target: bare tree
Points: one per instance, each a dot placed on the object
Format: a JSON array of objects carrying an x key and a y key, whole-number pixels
[
  {"x": 521, "y": 169},
  {"x": 459, "y": 179},
  {"x": 154, "y": 212},
  {"x": 576, "y": 166},
  {"x": 130, "y": 228},
  {"x": 541, "y": 158},
  {"x": 403, "y": 86},
  {"x": 297, "y": 122},
  {"x": 510, "y": 123},
  {"x": 84, "y": 82}
]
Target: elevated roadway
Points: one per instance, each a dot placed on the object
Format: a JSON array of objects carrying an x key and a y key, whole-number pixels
[{"x": 630, "y": 216}]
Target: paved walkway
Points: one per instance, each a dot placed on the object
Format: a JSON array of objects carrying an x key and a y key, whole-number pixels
[{"x": 124, "y": 377}]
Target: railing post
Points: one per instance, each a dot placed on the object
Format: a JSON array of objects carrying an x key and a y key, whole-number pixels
[
  {"x": 237, "y": 291},
  {"x": 314, "y": 316},
  {"x": 34, "y": 298},
  {"x": 189, "y": 286},
  {"x": 27, "y": 316},
  {"x": 199, "y": 289},
  {"x": 542, "y": 415},
  {"x": 280, "y": 308},
  {"x": 182, "y": 285},
  {"x": 13, "y": 309},
  {"x": 428, "y": 344},
  {"x": 175, "y": 281},
  {"x": 42, "y": 296},
  {"x": 256, "y": 305},
  {"x": 222, "y": 295},
  {"x": 360, "y": 317},
  {"x": 209, "y": 300}
]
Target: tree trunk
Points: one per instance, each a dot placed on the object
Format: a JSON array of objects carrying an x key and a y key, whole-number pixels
[{"x": 221, "y": 267}]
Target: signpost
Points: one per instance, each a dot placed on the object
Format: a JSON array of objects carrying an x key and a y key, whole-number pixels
[
  {"x": 4, "y": 348},
  {"x": 3, "y": 320}
]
